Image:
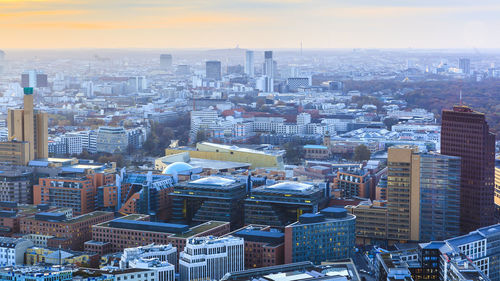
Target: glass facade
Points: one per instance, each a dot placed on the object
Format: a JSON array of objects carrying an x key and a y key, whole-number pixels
[{"x": 439, "y": 197}]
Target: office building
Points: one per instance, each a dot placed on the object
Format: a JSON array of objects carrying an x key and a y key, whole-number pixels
[
  {"x": 210, "y": 258},
  {"x": 29, "y": 126},
  {"x": 436, "y": 260},
  {"x": 16, "y": 184},
  {"x": 249, "y": 64},
  {"x": 166, "y": 61},
  {"x": 69, "y": 233},
  {"x": 233, "y": 153},
  {"x": 354, "y": 182},
  {"x": 403, "y": 198},
  {"x": 464, "y": 65},
  {"x": 210, "y": 198},
  {"x": 213, "y": 70},
  {"x": 111, "y": 139},
  {"x": 12, "y": 250},
  {"x": 482, "y": 247},
  {"x": 439, "y": 197},
  {"x": 136, "y": 230},
  {"x": 140, "y": 194},
  {"x": 283, "y": 203},
  {"x": 294, "y": 83},
  {"x": 465, "y": 133},
  {"x": 33, "y": 79},
  {"x": 319, "y": 237},
  {"x": 422, "y": 199},
  {"x": 268, "y": 70},
  {"x": 264, "y": 246},
  {"x": 78, "y": 193}
]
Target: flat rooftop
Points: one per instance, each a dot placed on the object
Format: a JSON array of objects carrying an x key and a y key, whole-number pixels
[{"x": 289, "y": 187}]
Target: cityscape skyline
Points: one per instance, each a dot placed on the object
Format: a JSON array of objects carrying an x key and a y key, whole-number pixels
[{"x": 196, "y": 24}]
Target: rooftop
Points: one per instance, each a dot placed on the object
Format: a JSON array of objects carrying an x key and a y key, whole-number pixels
[
  {"x": 291, "y": 186},
  {"x": 213, "y": 180}
]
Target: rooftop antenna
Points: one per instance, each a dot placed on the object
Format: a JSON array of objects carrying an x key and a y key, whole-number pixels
[
  {"x": 300, "y": 48},
  {"x": 461, "y": 98}
]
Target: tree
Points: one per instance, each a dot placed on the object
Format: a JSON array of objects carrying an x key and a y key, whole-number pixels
[
  {"x": 389, "y": 122},
  {"x": 200, "y": 136},
  {"x": 361, "y": 153},
  {"x": 294, "y": 152}
]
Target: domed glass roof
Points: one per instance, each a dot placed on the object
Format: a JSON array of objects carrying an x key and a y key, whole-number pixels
[{"x": 176, "y": 168}]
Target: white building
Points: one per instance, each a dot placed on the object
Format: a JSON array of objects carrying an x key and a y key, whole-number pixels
[
  {"x": 12, "y": 250},
  {"x": 163, "y": 271},
  {"x": 210, "y": 258},
  {"x": 111, "y": 139},
  {"x": 303, "y": 118},
  {"x": 73, "y": 142},
  {"x": 161, "y": 252}
]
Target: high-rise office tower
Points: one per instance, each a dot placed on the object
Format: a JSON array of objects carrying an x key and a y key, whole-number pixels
[
  {"x": 165, "y": 61},
  {"x": 465, "y": 133},
  {"x": 439, "y": 196},
  {"x": 213, "y": 70},
  {"x": 269, "y": 70},
  {"x": 249, "y": 64},
  {"x": 27, "y": 125},
  {"x": 33, "y": 79},
  {"x": 403, "y": 193},
  {"x": 464, "y": 65}
]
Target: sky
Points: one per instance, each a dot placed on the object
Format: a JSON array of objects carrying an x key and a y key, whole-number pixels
[{"x": 47, "y": 24}]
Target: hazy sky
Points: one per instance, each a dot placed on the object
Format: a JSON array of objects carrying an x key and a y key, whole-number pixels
[{"x": 249, "y": 23}]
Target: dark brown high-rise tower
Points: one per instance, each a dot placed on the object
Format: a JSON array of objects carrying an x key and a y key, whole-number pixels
[{"x": 465, "y": 133}]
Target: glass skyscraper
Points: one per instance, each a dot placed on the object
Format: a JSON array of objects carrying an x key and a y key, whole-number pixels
[{"x": 439, "y": 197}]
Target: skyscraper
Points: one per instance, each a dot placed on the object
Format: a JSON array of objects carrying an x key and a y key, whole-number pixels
[
  {"x": 464, "y": 65},
  {"x": 165, "y": 61},
  {"x": 439, "y": 196},
  {"x": 465, "y": 133},
  {"x": 269, "y": 70},
  {"x": 403, "y": 197},
  {"x": 213, "y": 70},
  {"x": 29, "y": 126},
  {"x": 249, "y": 64}
]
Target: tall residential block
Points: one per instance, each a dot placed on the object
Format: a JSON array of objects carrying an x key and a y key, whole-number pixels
[
  {"x": 465, "y": 133},
  {"x": 213, "y": 70},
  {"x": 249, "y": 64},
  {"x": 28, "y": 125}
]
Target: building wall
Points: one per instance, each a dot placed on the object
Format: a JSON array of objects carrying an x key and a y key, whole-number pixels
[
  {"x": 403, "y": 199},
  {"x": 14, "y": 153},
  {"x": 329, "y": 240},
  {"x": 76, "y": 231}
]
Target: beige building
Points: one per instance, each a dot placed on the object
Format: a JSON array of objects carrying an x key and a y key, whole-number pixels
[
  {"x": 221, "y": 152},
  {"x": 398, "y": 218},
  {"x": 14, "y": 152},
  {"x": 28, "y": 126}
]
